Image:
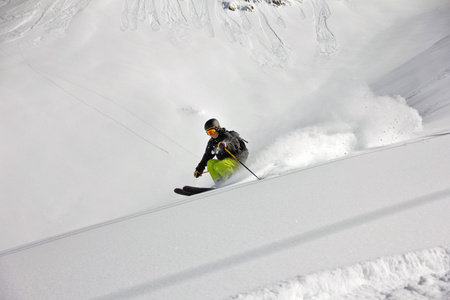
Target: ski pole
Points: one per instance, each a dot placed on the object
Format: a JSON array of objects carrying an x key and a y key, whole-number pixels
[{"x": 241, "y": 163}]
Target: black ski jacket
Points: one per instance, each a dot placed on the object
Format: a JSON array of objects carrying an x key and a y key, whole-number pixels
[{"x": 235, "y": 145}]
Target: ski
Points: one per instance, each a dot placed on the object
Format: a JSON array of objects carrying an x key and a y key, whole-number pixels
[
  {"x": 196, "y": 190},
  {"x": 191, "y": 190},
  {"x": 182, "y": 192}
]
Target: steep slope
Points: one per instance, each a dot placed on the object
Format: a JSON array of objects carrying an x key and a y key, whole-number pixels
[
  {"x": 426, "y": 88},
  {"x": 103, "y": 129},
  {"x": 111, "y": 117},
  {"x": 245, "y": 236}
]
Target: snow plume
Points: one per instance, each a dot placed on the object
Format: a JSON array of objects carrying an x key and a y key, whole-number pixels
[
  {"x": 341, "y": 116},
  {"x": 369, "y": 280}
]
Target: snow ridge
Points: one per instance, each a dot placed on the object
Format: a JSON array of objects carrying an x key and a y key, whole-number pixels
[
  {"x": 327, "y": 44},
  {"x": 369, "y": 280},
  {"x": 251, "y": 24},
  {"x": 53, "y": 17}
]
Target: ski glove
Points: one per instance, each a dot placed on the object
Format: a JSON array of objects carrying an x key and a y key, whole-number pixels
[
  {"x": 222, "y": 145},
  {"x": 197, "y": 174}
]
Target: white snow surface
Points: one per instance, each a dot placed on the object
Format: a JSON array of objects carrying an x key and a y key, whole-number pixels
[{"x": 346, "y": 107}]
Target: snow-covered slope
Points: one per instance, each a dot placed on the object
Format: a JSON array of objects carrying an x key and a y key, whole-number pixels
[
  {"x": 246, "y": 236},
  {"x": 345, "y": 105}
]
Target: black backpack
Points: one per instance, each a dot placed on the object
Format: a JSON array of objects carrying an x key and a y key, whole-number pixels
[{"x": 242, "y": 142}]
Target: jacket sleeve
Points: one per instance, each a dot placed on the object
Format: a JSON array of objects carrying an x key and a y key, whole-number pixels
[
  {"x": 209, "y": 154},
  {"x": 233, "y": 144}
]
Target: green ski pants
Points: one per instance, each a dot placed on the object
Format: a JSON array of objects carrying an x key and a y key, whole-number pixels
[{"x": 221, "y": 168}]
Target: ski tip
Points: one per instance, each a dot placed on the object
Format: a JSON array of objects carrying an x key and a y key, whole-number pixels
[
  {"x": 182, "y": 192},
  {"x": 191, "y": 190}
]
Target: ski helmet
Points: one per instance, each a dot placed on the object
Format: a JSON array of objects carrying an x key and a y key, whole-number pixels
[{"x": 212, "y": 123}]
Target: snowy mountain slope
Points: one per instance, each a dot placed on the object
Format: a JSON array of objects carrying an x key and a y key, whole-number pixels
[
  {"x": 425, "y": 88},
  {"x": 111, "y": 120},
  {"x": 244, "y": 236},
  {"x": 109, "y": 115}
]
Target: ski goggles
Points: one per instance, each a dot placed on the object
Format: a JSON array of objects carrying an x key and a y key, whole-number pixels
[{"x": 211, "y": 131}]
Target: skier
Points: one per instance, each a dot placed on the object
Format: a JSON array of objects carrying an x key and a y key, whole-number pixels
[{"x": 221, "y": 144}]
